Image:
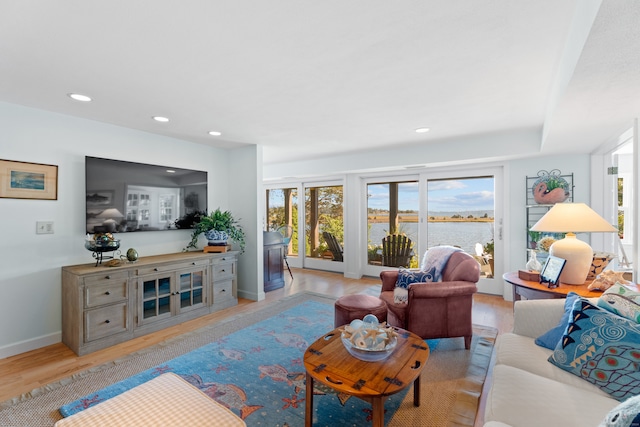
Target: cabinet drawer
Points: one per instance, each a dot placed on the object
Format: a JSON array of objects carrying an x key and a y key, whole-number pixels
[
  {"x": 171, "y": 267},
  {"x": 222, "y": 291},
  {"x": 105, "y": 294},
  {"x": 223, "y": 270},
  {"x": 99, "y": 279},
  {"x": 105, "y": 321}
]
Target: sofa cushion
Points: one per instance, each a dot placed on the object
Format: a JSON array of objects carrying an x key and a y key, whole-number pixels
[
  {"x": 520, "y": 398},
  {"x": 601, "y": 348},
  {"x": 522, "y": 353},
  {"x": 551, "y": 338},
  {"x": 621, "y": 300}
]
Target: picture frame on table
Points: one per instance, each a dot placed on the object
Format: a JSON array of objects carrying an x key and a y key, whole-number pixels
[
  {"x": 24, "y": 180},
  {"x": 551, "y": 271}
]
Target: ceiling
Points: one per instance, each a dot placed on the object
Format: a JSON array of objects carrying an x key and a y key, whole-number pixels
[{"x": 308, "y": 79}]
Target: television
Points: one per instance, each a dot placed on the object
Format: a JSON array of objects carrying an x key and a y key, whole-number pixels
[{"x": 124, "y": 196}]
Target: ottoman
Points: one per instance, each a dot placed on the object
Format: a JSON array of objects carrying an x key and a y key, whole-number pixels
[
  {"x": 165, "y": 401},
  {"x": 351, "y": 307}
]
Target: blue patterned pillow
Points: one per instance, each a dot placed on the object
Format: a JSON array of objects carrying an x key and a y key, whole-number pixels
[
  {"x": 601, "y": 348},
  {"x": 550, "y": 338},
  {"x": 407, "y": 277}
]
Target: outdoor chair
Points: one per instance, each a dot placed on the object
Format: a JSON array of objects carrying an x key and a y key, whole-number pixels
[
  {"x": 396, "y": 250},
  {"x": 438, "y": 309},
  {"x": 334, "y": 246}
]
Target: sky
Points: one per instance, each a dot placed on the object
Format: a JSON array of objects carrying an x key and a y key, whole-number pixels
[{"x": 443, "y": 195}]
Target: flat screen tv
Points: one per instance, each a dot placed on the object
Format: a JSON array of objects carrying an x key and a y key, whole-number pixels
[{"x": 128, "y": 197}]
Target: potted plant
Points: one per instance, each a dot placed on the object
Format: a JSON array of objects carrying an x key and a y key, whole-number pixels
[
  {"x": 217, "y": 227},
  {"x": 488, "y": 250}
]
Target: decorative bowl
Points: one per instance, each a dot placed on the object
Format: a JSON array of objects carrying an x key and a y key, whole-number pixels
[
  {"x": 102, "y": 245},
  {"x": 368, "y": 354}
]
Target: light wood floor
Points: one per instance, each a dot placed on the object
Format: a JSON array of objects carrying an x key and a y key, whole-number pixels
[{"x": 27, "y": 371}]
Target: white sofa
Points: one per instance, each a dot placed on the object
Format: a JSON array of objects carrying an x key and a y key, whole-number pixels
[{"x": 527, "y": 390}]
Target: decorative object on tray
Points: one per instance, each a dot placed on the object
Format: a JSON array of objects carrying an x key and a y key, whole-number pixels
[
  {"x": 218, "y": 227},
  {"x": 369, "y": 340},
  {"x": 545, "y": 243},
  {"x": 100, "y": 243},
  {"x": 550, "y": 187},
  {"x": 607, "y": 279}
]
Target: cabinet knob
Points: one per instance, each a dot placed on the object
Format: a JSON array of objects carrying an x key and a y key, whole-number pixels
[
  {"x": 107, "y": 293},
  {"x": 193, "y": 263},
  {"x": 224, "y": 290},
  {"x": 107, "y": 321},
  {"x": 107, "y": 277},
  {"x": 222, "y": 270},
  {"x": 224, "y": 259},
  {"x": 155, "y": 269}
]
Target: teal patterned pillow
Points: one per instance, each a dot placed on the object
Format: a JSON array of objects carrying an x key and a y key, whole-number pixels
[
  {"x": 622, "y": 301},
  {"x": 601, "y": 348}
]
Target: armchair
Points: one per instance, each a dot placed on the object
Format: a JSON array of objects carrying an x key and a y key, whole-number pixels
[{"x": 440, "y": 309}]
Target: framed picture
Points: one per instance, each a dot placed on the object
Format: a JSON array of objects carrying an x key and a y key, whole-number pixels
[
  {"x": 100, "y": 199},
  {"x": 550, "y": 273},
  {"x": 22, "y": 180}
]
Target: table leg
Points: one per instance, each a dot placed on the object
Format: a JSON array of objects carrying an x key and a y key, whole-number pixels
[
  {"x": 308, "y": 403},
  {"x": 416, "y": 392},
  {"x": 377, "y": 404}
]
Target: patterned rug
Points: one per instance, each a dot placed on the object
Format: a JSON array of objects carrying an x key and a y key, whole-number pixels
[
  {"x": 258, "y": 373},
  {"x": 451, "y": 385}
]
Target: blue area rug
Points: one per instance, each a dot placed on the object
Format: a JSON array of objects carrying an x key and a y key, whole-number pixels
[{"x": 258, "y": 373}]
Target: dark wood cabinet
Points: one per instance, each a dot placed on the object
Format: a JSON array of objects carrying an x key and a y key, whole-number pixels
[{"x": 273, "y": 261}]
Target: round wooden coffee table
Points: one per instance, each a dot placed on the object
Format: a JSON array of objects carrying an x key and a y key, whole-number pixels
[{"x": 329, "y": 362}]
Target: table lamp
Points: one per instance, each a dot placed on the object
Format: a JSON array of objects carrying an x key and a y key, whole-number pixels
[
  {"x": 572, "y": 218},
  {"x": 110, "y": 215}
]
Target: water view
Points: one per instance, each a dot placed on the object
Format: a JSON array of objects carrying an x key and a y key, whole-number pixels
[{"x": 463, "y": 234}]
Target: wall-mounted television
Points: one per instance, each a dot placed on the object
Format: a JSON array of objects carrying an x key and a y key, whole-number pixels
[{"x": 124, "y": 196}]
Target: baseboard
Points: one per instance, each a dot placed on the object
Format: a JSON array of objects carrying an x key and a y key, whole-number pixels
[{"x": 28, "y": 345}]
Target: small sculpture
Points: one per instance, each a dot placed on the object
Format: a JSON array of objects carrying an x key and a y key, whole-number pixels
[
  {"x": 607, "y": 279},
  {"x": 533, "y": 264},
  {"x": 368, "y": 333}
]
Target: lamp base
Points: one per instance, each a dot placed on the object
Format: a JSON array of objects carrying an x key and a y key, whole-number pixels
[{"x": 579, "y": 256}]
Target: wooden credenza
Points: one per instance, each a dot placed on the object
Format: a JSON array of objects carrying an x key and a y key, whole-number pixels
[{"x": 103, "y": 306}]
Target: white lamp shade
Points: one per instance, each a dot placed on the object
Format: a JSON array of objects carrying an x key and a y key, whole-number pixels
[{"x": 573, "y": 218}]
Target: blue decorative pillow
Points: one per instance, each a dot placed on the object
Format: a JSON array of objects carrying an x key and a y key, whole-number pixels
[
  {"x": 601, "y": 348},
  {"x": 550, "y": 338},
  {"x": 407, "y": 277}
]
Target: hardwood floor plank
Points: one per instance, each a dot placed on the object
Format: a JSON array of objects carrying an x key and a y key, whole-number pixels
[{"x": 24, "y": 372}]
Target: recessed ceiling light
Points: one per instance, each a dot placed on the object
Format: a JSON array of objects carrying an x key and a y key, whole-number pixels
[
  {"x": 170, "y": 171},
  {"x": 160, "y": 119},
  {"x": 79, "y": 97},
  {"x": 215, "y": 133},
  {"x": 422, "y": 130}
]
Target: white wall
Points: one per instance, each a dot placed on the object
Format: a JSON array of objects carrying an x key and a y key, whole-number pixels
[{"x": 30, "y": 282}]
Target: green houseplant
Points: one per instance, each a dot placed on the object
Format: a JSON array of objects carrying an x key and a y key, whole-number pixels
[{"x": 218, "y": 221}]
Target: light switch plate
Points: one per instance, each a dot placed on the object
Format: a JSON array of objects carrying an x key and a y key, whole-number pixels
[{"x": 44, "y": 227}]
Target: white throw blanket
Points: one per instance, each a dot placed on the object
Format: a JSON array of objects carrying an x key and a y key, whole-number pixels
[{"x": 433, "y": 263}]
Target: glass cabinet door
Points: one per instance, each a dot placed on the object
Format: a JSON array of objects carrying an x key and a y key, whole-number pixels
[
  {"x": 191, "y": 289},
  {"x": 156, "y": 298}
]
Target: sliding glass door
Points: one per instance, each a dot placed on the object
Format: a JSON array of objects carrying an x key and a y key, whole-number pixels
[{"x": 461, "y": 209}]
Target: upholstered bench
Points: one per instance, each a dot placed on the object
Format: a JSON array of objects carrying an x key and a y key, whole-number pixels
[
  {"x": 351, "y": 307},
  {"x": 166, "y": 400}
]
